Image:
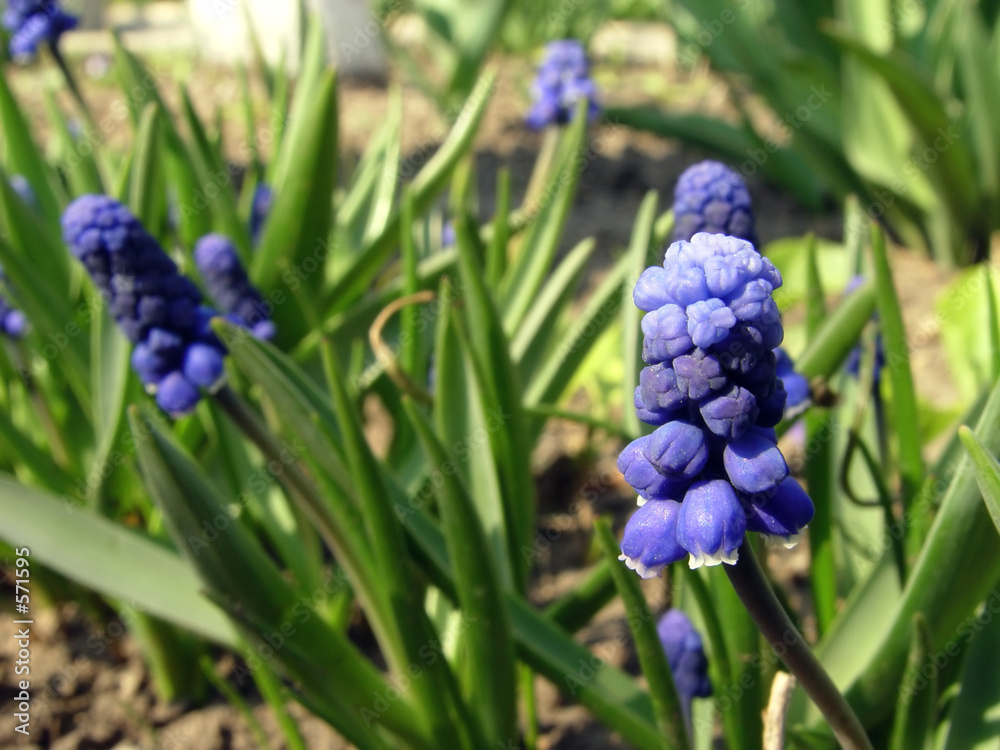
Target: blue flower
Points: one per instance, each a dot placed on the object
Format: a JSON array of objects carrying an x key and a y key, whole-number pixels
[
  {"x": 685, "y": 653},
  {"x": 448, "y": 234},
  {"x": 710, "y": 197},
  {"x": 260, "y": 208},
  {"x": 159, "y": 310},
  {"x": 229, "y": 286},
  {"x": 853, "y": 363},
  {"x": 712, "y": 469},
  {"x": 24, "y": 190},
  {"x": 796, "y": 385},
  {"x": 34, "y": 22},
  {"x": 563, "y": 78},
  {"x": 12, "y": 321}
]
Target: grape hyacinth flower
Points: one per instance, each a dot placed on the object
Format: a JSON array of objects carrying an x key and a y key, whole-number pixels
[
  {"x": 159, "y": 310},
  {"x": 34, "y": 22},
  {"x": 686, "y": 656},
  {"x": 263, "y": 197},
  {"x": 712, "y": 470},
  {"x": 12, "y": 321},
  {"x": 711, "y": 197},
  {"x": 229, "y": 286},
  {"x": 563, "y": 78},
  {"x": 796, "y": 385},
  {"x": 24, "y": 191}
]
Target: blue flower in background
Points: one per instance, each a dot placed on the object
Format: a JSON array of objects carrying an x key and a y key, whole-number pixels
[
  {"x": 12, "y": 321},
  {"x": 853, "y": 362},
  {"x": 227, "y": 282},
  {"x": 35, "y": 22},
  {"x": 563, "y": 78},
  {"x": 686, "y": 656},
  {"x": 24, "y": 190},
  {"x": 448, "y": 234},
  {"x": 263, "y": 197},
  {"x": 796, "y": 385},
  {"x": 159, "y": 310},
  {"x": 711, "y": 197},
  {"x": 711, "y": 470}
]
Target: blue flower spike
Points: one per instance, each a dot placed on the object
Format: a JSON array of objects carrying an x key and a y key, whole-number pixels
[
  {"x": 685, "y": 653},
  {"x": 159, "y": 310},
  {"x": 227, "y": 282},
  {"x": 712, "y": 469},
  {"x": 260, "y": 209},
  {"x": 711, "y": 197},
  {"x": 35, "y": 22},
  {"x": 563, "y": 79}
]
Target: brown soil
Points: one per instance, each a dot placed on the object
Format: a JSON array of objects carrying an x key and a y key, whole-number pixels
[{"x": 105, "y": 699}]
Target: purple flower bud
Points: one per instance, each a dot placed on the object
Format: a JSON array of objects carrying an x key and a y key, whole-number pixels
[
  {"x": 649, "y": 416},
  {"x": 176, "y": 396},
  {"x": 643, "y": 476},
  {"x": 203, "y": 366},
  {"x": 709, "y": 322},
  {"x": 666, "y": 334},
  {"x": 730, "y": 414},
  {"x": 14, "y": 323},
  {"x": 754, "y": 463},
  {"x": 686, "y": 656},
  {"x": 260, "y": 208},
  {"x": 650, "y": 543},
  {"x": 781, "y": 512},
  {"x": 659, "y": 389},
  {"x": 677, "y": 450},
  {"x": 711, "y": 523},
  {"x": 698, "y": 374},
  {"x": 651, "y": 291}
]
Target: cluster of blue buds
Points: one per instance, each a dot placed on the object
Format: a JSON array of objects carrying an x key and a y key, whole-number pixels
[
  {"x": 12, "y": 321},
  {"x": 686, "y": 656},
  {"x": 260, "y": 208},
  {"x": 712, "y": 469},
  {"x": 711, "y": 197},
  {"x": 34, "y": 22},
  {"x": 227, "y": 282},
  {"x": 563, "y": 79},
  {"x": 159, "y": 310}
]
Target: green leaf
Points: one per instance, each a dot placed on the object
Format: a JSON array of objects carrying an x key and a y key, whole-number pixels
[
  {"x": 897, "y": 357},
  {"x": 110, "y": 355},
  {"x": 239, "y": 574},
  {"x": 146, "y": 196},
  {"x": 640, "y": 248},
  {"x": 913, "y": 726},
  {"x": 972, "y": 723},
  {"x": 425, "y": 186},
  {"x": 947, "y": 581},
  {"x": 302, "y": 215},
  {"x": 486, "y": 623},
  {"x": 652, "y": 657},
  {"x": 90, "y": 549},
  {"x": 22, "y": 155},
  {"x": 831, "y": 344},
  {"x": 987, "y": 472},
  {"x": 525, "y": 277}
]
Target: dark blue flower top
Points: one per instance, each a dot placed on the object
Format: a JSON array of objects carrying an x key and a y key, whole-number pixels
[
  {"x": 34, "y": 22},
  {"x": 711, "y": 197},
  {"x": 712, "y": 469},
  {"x": 176, "y": 352},
  {"x": 563, "y": 78}
]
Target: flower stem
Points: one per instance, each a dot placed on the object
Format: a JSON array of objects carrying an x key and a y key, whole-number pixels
[
  {"x": 755, "y": 592},
  {"x": 72, "y": 85}
]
